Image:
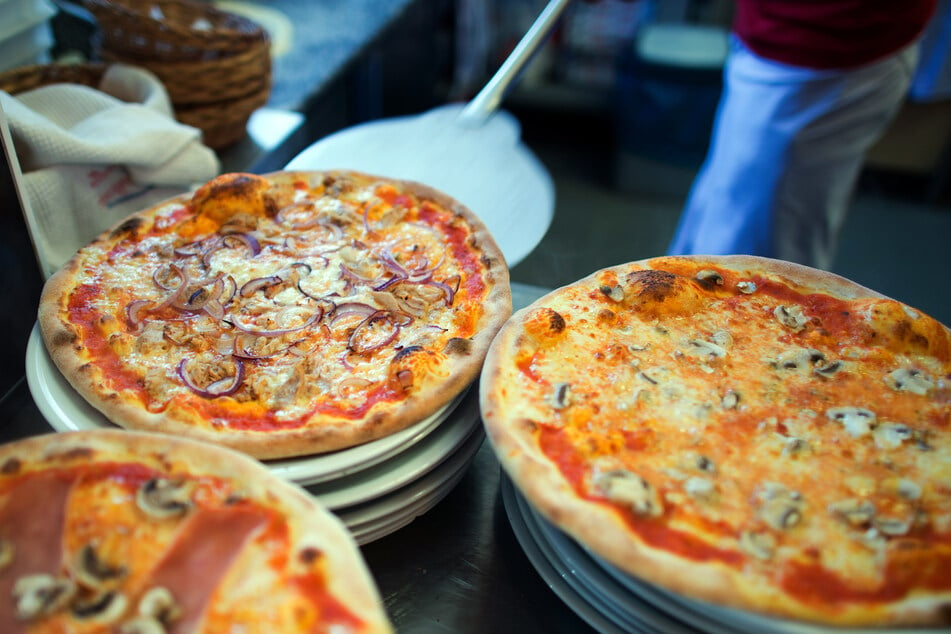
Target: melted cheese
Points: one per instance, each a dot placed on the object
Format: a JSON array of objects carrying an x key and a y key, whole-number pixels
[{"x": 794, "y": 405}]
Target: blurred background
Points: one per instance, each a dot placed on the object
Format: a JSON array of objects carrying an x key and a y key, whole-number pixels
[{"x": 618, "y": 106}]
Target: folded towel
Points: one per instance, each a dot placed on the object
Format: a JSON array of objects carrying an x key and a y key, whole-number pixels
[{"x": 92, "y": 157}]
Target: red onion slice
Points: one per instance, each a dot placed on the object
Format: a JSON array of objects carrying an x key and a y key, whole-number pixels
[
  {"x": 280, "y": 317},
  {"x": 221, "y": 387},
  {"x": 373, "y": 333}
]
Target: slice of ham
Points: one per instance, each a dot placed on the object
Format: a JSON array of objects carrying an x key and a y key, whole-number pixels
[
  {"x": 205, "y": 547},
  {"x": 32, "y": 519}
]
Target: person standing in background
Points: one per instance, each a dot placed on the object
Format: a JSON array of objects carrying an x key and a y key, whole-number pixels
[{"x": 808, "y": 88}]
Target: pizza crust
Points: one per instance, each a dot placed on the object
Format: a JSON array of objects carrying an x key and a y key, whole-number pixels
[
  {"x": 322, "y": 433},
  {"x": 510, "y": 424},
  {"x": 310, "y": 526}
]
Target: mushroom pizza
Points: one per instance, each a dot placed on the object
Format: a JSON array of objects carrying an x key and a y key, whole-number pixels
[
  {"x": 136, "y": 533},
  {"x": 741, "y": 431}
]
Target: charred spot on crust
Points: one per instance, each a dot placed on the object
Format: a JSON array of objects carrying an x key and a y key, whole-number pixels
[
  {"x": 62, "y": 338},
  {"x": 652, "y": 284},
  {"x": 78, "y": 453},
  {"x": 551, "y": 320},
  {"x": 405, "y": 352},
  {"x": 130, "y": 227},
  {"x": 309, "y": 555},
  {"x": 11, "y": 466},
  {"x": 458, "y": 345}
]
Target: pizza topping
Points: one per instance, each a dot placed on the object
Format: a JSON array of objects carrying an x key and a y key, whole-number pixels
[
  {"x": 704, "y": 349},
  {"x": 730, "y": 400},
  {"x": 854, "y": 511},
  {"x": 561, "y": 396},
  {"x": 798, "y": 359},
  {"x": 698, "y": 487},
  {"x": 747, "y": 288},
  {"x": 629, "y": 490},
  {"x": 163, "y": 497},
  {"x": 158, "y": 605},
  {"x": 909, "y": 380},
  {"x": 104, "y": 607},
  {"x": 858, "y": 421},
  {"x": 761, "y": 545},
  {"x": 709, "y": 276},
  {"x": 791, "y": 316},
  {"x": 225, "y": 386},
  {"x": 42, "y": 594},
  {"x": 826, "y": 368},
  {"x": 892, "y": 526},
  {"x": 778, "y": 506},
  {"x": 614, "y": 293},
  {"x": 91, "y": 571},
  {"x": 890, "y": 435}
]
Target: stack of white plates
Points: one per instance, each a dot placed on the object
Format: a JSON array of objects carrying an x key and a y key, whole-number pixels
[
  {"x": 375, "y": 488},
  {"x": 612, "y": 601}
]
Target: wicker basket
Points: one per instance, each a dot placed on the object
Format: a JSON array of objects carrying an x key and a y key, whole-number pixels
[
  {"x": 216, "y": 66},
  {"x": 172, "y": 30},
  {"x": 190, "y": 82},
  {"x": 225, "y": 122},
  {"x": 19, "y": 80}
]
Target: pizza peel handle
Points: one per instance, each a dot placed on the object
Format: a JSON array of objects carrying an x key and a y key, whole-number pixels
[
  {"x": 490, "y": 97},
  {"x": 473, "y": 152}
]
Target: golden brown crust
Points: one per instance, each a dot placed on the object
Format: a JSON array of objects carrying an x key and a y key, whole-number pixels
[
  {"x": 259, "y": 196},
  {"x": 515, "y": 411},
  {"x": 310, "y": 526}
]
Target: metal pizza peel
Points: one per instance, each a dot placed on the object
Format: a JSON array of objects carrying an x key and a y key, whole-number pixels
[{"x": 473, "y": 152}]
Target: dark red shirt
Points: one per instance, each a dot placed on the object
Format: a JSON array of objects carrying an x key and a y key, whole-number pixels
[{"x": 829, "y": 33}]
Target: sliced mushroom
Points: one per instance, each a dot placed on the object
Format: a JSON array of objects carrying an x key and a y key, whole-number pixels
[
  {"x": 760, "y": 545},
  {"x": 746, "y": 287},
  {"x": 798, "y": 359},
  {"x": 909, "y": 380},
  {"x": 614, "y": 293},
  {"x": 858, "y": 421},
  {"x": 142, "y": 625},
  {"x": 7, "y": 550},
  {"x": 159, "y": 604},
  {"x": 41, "y": 594},
  {"x": 709, "y": 276},
  {"x": 91, "y": 571},
  {"x": 855, "y": 512},
  {"x": 104, "y": 607},
  {"x": 780, "y": 507},
  {"x": 630, "y": 490},
  {"x": 892, "y": 526},
  {"x": 730, "y": 400},
  {"x": 704, "y": 349},
  {"x": 889, "y": 435},
  {"x": 162, "y": 498},
  {"x": 791, "y": 317},
  {"x": 827, "y": 368},
  {"x": 561, "y": 396}
]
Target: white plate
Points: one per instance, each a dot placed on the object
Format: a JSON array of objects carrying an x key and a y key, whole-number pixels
[
  {"x": 66, "y": 410},
  {"x": 554, "y": 576},
  {"x": 373, "y": 520},
  {"x": 591, "y": 580},
  {"x": 406, "y": 466}
]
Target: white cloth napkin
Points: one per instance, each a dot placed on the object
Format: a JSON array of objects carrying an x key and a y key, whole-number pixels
[{"x": 92, "y": 157}]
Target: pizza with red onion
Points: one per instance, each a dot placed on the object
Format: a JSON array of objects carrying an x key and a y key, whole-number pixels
[
  {"x": 742, "y": 431},
  {"x": 136, "y": 533},
  {"x": 281, "y": 315}
]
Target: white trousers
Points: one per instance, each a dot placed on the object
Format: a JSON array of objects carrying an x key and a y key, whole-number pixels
[{"x": 787, "y": 147}]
